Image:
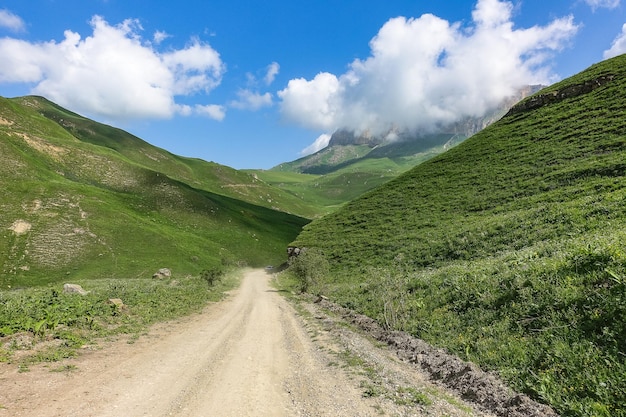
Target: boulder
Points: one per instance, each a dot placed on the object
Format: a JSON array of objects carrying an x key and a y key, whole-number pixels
[
  {"x": 162, "y": 273},
  {"x": 74, "y": 289}
]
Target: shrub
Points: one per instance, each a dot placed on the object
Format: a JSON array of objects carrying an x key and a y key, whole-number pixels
[
  {"x": 309, "y": 268},
  {"x": 211, "y": 276}
]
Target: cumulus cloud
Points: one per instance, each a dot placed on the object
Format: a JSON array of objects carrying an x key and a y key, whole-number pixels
[
  {"x": 11, "y": 21},
  {"x": 425, "y": 72},
  {"x": 112, "y": 73},
  {"x": 618, "y": 46},
  {"x": 609, "y": 4},
  {"x": 251, "y": 100},
  {"x": 313, "y": 104},
  {"x": 320, "y": 143}
]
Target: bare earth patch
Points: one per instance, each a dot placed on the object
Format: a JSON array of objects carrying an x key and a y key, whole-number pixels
[
  {"x": 5, "y": 122},
  {"x": 19, "y": 227}
]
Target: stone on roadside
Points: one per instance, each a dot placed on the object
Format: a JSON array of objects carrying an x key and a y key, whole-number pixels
[{"x": 74, "y": 289}]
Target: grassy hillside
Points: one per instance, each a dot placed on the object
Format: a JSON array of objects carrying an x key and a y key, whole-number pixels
[
  {"x": 114, "y": 207},
  {"x": 326, "y": 193},
  {"x": 338, "y": 174},
  {"x": 509, "y": 248},
  {"x": 200, "y": 174}
]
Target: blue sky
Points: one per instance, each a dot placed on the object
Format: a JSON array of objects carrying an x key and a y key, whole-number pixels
[{"x": 253, "y": 84}]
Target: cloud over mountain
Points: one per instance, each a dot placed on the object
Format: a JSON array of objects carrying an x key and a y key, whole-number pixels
[
  {"x": 618, "y": 46},
  {"x": 426, "y": 71}
]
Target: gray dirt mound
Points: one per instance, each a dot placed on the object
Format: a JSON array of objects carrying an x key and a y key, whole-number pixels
[{"x": 473, "y": 384}]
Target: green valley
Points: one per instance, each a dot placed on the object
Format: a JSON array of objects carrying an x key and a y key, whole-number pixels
[{"x": 506, "y": 248}]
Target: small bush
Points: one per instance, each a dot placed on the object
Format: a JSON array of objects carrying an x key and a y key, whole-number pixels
[
  {"x": 309, "y": 268},
  {"x": 211, "y": 276}
]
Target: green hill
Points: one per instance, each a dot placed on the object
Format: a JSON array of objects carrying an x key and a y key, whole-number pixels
[
  {"x": 338, "y": 174},
  {"x": 200, "y": 174},
  {"x": 507, "y": 249},
  {"x": 325, "y": 193},
  {"x": 83, "y": 200}
]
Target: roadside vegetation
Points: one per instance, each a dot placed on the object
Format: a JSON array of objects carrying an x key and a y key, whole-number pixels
[
  {"x": 44, "y": 324},
  {"x": 508, "y": 249}
]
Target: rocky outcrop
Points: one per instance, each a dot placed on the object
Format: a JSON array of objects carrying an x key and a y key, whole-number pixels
[
  {"x": 345, "y": 137},
  {"x": 293, "y": 251},
  {"x": 555, "y": 96}
]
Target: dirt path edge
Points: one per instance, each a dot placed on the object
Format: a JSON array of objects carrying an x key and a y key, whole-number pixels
[{"x": 484, "y": 389}]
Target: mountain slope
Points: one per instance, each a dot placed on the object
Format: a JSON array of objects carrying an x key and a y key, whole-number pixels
[
  {"x": 71, "y": 208},
  {"x": 200, "y": 174},
  {"x": 507, "y": 249}
]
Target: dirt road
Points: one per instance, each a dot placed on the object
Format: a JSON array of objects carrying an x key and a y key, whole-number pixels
[{"x": 250, "y": 355}]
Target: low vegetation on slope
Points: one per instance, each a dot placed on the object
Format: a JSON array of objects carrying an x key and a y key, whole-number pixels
[
  {"x": 72, "y": 209},
  {"x": 508, "y": 249},
  {"x": 326, "y": 193},
  {"x": 353, "y": 164}
]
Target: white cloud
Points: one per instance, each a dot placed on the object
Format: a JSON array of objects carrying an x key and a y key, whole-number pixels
[
  {"x": 320, "y": 143},
  {"x": 214, "y": 111},
  {"x": 310, "y": 103},
  {"x": 251, "y": 100},
  {"x": 11, "y": 21},
  {"x": 618, "y": 46},
  {"x": 426, "y": 71},
  {"x": 111, "y": 73},
  {"x": 160, "y": 36},
  {"x": 609, "y": 4},
  {"x": 272, "y": 72}
]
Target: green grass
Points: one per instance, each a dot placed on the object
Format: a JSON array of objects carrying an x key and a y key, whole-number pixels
[
  {"x": 507, "y": 249},
  {"x": 328, "y": 179},
  {"x": 326, "y": 193}
]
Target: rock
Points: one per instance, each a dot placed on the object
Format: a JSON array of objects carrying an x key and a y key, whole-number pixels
[
  {"x": 320, "y": 298},
  {"x": 118, "y": 303},
  {"x": 74, "y": 289},
  {"x": 554, "y": 96},
  {"x": 162, "y": 273}
]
